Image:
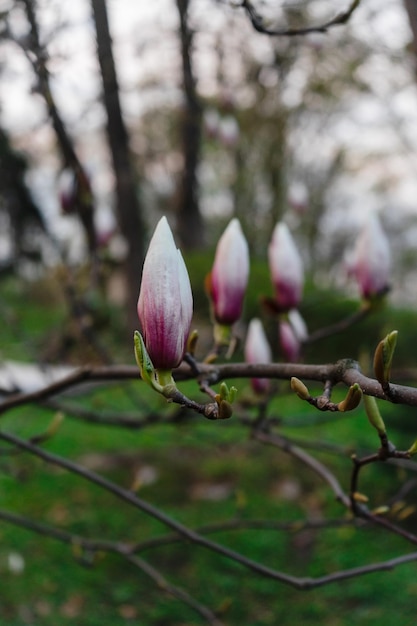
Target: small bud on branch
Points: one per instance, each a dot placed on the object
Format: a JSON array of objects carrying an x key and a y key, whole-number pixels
[
  {"x": 383, "y": 359},
  {"x": 352, "y": 399},
  {"x": 300, "y": 388},
  {"x": 374, "y": 416},
  {"x": 226, "y": 284},
  {"x": 286, "y": 268}
]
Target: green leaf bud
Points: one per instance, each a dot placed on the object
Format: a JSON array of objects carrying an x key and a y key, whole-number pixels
[
  {"x": 300, "y": 388},
  {"x": 383, "y": 357},
  {"x": 374, "y": 415},
  {"x": 352, "y": 399}
]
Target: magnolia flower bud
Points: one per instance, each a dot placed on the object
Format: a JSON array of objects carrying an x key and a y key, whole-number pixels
[
  {"x": 286, "y": 268},
  {"x": 165, "y": 305},
  {"x": 227, "y": 282},
  {"x": 257, "y": 350},
  {"x": 371, "y": 260},
  {"x": 228, "y": 130},
  {"x": 298, "y": 325},
  {"x": 211, "y": 122},
  {"x": 67, "y": 191},
  {"x": 298, "y": 198},
  {"x": 74, "y": 189},
  {"x": 289, "y": 342}
]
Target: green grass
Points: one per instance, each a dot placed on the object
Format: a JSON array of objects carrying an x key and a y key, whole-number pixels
[
  {"x": 204, "y": 472},
  {"x": 188, "y": 460}
]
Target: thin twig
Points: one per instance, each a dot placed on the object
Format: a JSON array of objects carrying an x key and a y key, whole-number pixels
[
  {"x": 122, "y": 549},
  {"x": 359, "y": 509},
  {"x": 341, "y": 18},
  {"x": 338, "y": 327},
  {"x": 287, "y": 446},
  {"x": 247, "y": 524},
  {"x": 173, "y": 590},
  {"x": 130, "y": 420}
]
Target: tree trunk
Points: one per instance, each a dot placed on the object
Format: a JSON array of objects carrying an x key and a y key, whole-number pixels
[
  {"x": 85, "y": 201},
  {"x": 190, "y": 227},
  {"x": 129, "y": 210},
  {"x": 411, "y": 8}
]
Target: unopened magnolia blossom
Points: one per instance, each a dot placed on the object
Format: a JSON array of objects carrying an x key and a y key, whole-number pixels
[
  {"x": 73, "y": 188},
  {"x": 370, "y": 263},
  {"x": 257, "y": 350},
  {"x": 286, "y": 268},
  {"x": 228, "y": 131},
  {"x": 229, "y": 276},
  {"x": 298, "y": 325},
  {"x": 67, "y": 190},
  {"x": 289, "y": 342},
  {"x": 298, "y": 198},
  {"x": 292, "y": 333},
  {"x": 165, "y": 305}
]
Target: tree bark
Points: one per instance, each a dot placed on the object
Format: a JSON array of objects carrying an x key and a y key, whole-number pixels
[
  {"x": 190, "y": 227},
  {"x": 38, "y": 58},
  {"x": 129, "y": 210},
  {"x": 411, "y": 8}
]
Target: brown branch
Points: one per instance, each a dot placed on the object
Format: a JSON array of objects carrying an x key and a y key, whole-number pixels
[
  {"x": 246, "y": 524},
  {"x": 340, "y": 18},
  {"x": 315, "y": 465},
  {"x": 338, "y": 327},
  {"x": 360, "y": 509},
  {"x": 345, "y": 371},
  {"x": 133, "y": 421},
  {"x": 37, "y": 56},
  {"x": 173, "y": 590}
]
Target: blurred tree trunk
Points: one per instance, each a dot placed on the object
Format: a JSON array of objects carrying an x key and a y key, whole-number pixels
[
  {"x": 38, "y": 56},
  {"x": 16, "y": 200},
  {"x": 411, "y": 8},
  {"x": 190, "y": 227},
  {"x": 129, "y": 210}
]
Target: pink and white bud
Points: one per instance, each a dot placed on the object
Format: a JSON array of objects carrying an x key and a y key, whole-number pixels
[
  {"x": 165, "y": 305},
  {"x": 227, "y": 282},
  {"x": 298, "y": 197},
  {"x": 74, "y": 190},
  {"x": 289, "y": 342},
  {"x": 211, "y": 122},
  {"x": 371, "y": 259},
  {"x": 286, "y": 268},
  {"x": 257, "y": 350},
  {"x": 67, "y": 191},
  {"x": 298, "y": 325},
  {"x": 229, "y": 131}
]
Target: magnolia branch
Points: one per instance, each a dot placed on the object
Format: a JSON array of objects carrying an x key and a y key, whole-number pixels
[{"x": 345, "y": 371}]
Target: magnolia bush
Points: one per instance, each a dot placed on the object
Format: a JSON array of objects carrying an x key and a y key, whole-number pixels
[{"x": 166, "y": 347}]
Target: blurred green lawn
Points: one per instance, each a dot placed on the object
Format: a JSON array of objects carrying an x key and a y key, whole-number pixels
[{"x": 198, "y": 472}]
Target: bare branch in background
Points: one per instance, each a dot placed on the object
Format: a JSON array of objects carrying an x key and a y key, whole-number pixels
[
  {"x": 258, "y": 23},
  {"x": 37, "y": 55}
]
